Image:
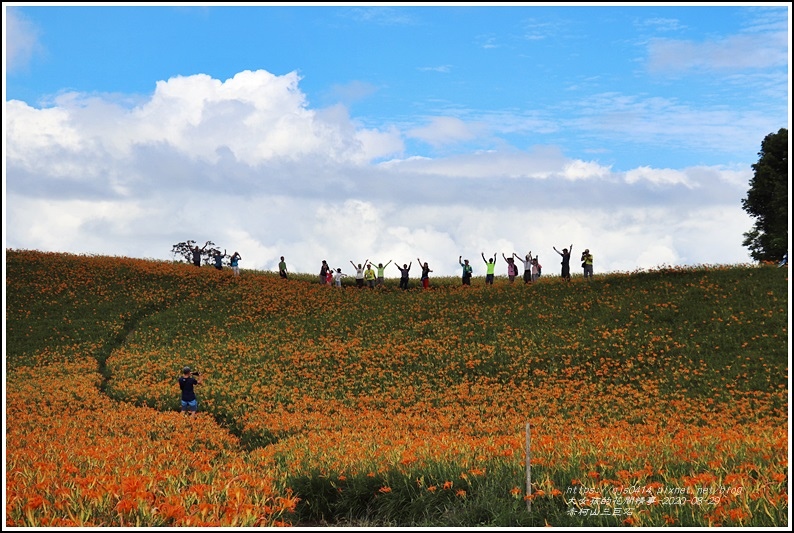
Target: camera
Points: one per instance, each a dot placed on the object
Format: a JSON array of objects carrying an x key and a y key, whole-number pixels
[{"x": 195, "y": 373}]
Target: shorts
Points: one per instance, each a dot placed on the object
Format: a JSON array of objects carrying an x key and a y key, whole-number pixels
[{"x": 189, "y": 406}]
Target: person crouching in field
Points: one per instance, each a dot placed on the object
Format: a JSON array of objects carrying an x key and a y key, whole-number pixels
[{"x": 187, "y": 381}]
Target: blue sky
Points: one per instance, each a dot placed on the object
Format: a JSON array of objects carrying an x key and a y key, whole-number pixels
[{"x": 387, "y": 131}]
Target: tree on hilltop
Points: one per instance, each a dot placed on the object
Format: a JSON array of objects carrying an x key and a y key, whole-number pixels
[
  {"x": 185, "y": 249},
  {"x": 767, "y": 200}
]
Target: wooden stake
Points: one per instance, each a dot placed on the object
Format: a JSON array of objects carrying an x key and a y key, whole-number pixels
[{"x": 529, "y": 471}]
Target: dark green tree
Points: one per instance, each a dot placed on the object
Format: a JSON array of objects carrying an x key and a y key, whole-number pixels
[
  {"x": 184, "y": 249},
  {"x": 767, "y": 200}
]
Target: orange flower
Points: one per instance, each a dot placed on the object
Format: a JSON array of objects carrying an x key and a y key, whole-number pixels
[
  {"x": 447, "y": 485},
  {"x": 288, "y": 502},
  {"x": 126, "y": 505}
]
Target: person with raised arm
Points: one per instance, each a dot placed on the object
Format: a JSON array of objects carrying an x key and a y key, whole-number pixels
[
  {"x": 565, "y": 272},
  {"x": 359, "y": 273},
  {"x": 467, "y": 270},
  {"x": 403, "y": 274},
  {"x": 490, "y": 266},
  {"x": 527, "y": 266},
  {"x": 425, "y": 274}
]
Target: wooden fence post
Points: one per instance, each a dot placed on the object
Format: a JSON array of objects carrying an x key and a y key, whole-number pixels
[{"x": 529, "y": 471}]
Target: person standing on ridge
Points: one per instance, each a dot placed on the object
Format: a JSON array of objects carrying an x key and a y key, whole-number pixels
[
  {"x": 337, "y": 276},
  {"x": 512, "y": 267},
  {"x": 359, "y": 273},
  {"x": 467, "y": 270},
  {"x": 369, "y": 276},
  {"x": 527, "y": 266},
  {"x": 587, "y": 264},
  {"x": 425, "y": 274},
  {"x": 324, "y": 273},
  {"x": 403, "y": 274},
  {"x": 565, "y": 272},
  {"x": 219, "y": 259},
  {"x": 197, "y": 254},
  {"x": 282, "y": 268},
  {"x": 490, "y": 266},
  {"x": 537, "y": 269},
  {"x": 234, "y": 260},
  {"x": 381, "y": 269}
]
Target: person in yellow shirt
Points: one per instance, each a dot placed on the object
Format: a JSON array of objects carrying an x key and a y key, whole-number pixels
[
  {"x": 587, "y": 263},
  {"x": 369, "y": 276}
]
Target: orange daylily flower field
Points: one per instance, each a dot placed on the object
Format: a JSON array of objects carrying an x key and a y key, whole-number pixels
[{"x": 653, "y": 398}]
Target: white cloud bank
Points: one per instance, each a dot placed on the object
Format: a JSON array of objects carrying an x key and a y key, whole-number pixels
[{"x": 248, "y": 164}]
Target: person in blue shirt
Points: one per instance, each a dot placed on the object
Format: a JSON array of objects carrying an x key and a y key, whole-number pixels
[
  {"x": 235, "y": 262},
  {"x": 219, "y": 259}
]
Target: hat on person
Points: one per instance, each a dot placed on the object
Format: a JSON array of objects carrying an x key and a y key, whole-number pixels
[{"x": 186, "y": 370}]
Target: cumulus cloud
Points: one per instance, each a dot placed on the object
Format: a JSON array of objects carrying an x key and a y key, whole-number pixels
[{"x": 250, "y": 165}]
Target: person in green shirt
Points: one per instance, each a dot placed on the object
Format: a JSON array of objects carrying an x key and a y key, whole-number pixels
[
  {"x": 282, "y": 268},
  {"x": 490, "y": 265},
  {"x": 381, "y": 268}
]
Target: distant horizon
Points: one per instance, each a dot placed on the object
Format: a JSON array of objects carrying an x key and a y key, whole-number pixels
[{"x": 576, "y": 271}]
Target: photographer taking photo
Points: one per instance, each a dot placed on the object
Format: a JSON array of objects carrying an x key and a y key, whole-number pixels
[
  {"x": 187, "y": 381},
  {"x": 587, "y": 263}
]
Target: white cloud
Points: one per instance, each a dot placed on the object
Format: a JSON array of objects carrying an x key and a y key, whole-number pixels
[
  {"x": 736, "y": 52},
  {"x": 659, "y": 176},
  {"x": 445, "y": 130},
  {"x": 248, "y": 164}
]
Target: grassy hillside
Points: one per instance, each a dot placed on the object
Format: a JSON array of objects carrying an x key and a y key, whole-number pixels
[{"x": 653, "y": 398}]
